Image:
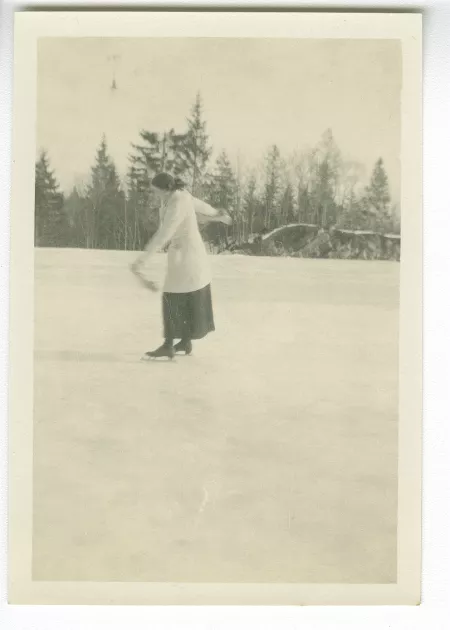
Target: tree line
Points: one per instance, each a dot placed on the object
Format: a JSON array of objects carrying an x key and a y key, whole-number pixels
[{"x": 317, "y": 187}]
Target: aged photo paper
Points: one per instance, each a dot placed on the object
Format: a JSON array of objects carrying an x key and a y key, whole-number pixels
[{"x": 216, "y": 298}]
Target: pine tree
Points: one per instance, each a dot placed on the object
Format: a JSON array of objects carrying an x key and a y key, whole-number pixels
[
  {"x": 155, "y": 152},
  {"x": 353, "y": 215},
  {"x": 238, "y": 214},
  {"x": 51, "y": 224},
  {"x": 302, "y": 165},
  {"x": 328, "y": 162},
  {"x": 194, "y": 149},
  {"x": 222, "y": 183},
  {"x": 143, "y": 207},
  {"x": 107, "y": 221},
  {"x": 220, "y": 193},
  {"x": 76, "y": 209},
  {"x": 304, "y": 210},
  {"x": 287, "y": 205},
  {"x": 251, "y": 203},
  {"x": 158, "y": 152},
  {"x": 377, "y": 193},
  {"x": 139, "y": 214},
  {"x": 272, "y": 187}
]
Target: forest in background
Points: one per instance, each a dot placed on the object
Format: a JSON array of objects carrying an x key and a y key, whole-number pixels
[{"x": 317, "y": 192}]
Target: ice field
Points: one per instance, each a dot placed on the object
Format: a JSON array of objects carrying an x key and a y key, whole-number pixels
[{"x": 269, "y": 455}]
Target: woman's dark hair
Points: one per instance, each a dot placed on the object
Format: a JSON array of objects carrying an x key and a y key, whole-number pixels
[{"x": 165, "y": 181}]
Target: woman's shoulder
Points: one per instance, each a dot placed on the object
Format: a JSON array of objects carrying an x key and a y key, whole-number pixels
[
  {"x": 183, "y": 194},
  {"x": 183, "y": 198},
  {"x": 176, "y": 198},
  {"x": 180, "y": 195}
]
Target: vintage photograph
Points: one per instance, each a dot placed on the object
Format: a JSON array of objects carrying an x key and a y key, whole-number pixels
[{"x": 217, "y": 239}]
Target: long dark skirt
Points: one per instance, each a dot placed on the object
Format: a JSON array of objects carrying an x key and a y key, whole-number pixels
[{"x": 188, "y": 315}]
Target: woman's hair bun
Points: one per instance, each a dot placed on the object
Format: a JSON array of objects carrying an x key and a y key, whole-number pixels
[
  {"x": 179, "y": 183},
  {"x": 166, "y": 181}
]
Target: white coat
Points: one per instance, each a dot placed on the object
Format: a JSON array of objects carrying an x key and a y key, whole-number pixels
[{"x": 187, "y": 260}]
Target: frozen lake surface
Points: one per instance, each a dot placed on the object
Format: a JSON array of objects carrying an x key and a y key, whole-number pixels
[{"x": 269, "y": 455}]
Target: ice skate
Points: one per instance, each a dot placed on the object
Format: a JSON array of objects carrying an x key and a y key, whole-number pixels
[
  {"x": 164, "y": 351},
  {"x": 184, "y": 346}
]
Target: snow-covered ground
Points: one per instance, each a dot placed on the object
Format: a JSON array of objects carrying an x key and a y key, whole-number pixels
[{"x": 268, "y": 455}]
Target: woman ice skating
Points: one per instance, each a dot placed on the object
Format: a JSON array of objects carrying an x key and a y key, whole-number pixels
[{"x": 186, "y": 300}]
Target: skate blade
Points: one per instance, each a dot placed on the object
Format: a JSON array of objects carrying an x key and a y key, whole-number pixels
[{"x": 147, "y": 359}]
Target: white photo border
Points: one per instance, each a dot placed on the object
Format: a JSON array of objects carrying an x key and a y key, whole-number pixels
[{"x": 29, "y": 27}]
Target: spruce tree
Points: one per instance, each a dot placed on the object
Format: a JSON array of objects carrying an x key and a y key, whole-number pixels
[
  {"x": 377, "y": 193},
  {"x": 328, "y": 162},
  {"x": 194, "y": 148},
  {"x": 155, "y": 152},
  {"x": 272, "y": 187},
  {"x": 143, "y": 207},
  {"x": 251, "y": 203},
  {"x": 107, "y": 219},
  {"x": 158, "y": 152},
  {"x": 222, "y": 183},
  {"x": 75, "y": 207},
  {"x": 221, "y": 193},
  {"x": 287, "y": 209},
  {"x": 51, "y": 224}
]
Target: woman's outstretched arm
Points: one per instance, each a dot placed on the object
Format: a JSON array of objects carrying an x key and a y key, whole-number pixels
[
  {"x": 206, "y": 213},
  {"x": 173, "y": 216}
]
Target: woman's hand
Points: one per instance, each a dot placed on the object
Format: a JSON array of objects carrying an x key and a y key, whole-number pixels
[
  {"x": 149, "y": 284},
  {"x": 224, "y": 217},
  {"x": 136, "y": 266}
]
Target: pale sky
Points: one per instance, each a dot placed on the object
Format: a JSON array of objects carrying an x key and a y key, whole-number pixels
[{"x": 256, "y": 92}]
